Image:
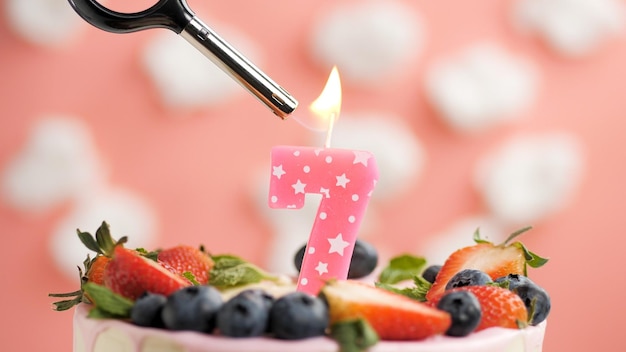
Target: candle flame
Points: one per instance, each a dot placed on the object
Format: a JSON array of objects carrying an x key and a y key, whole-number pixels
[{"x": 327, "y": 106}]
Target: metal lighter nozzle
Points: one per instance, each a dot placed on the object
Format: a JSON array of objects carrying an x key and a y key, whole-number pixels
[{"x": 238, "y": 67}]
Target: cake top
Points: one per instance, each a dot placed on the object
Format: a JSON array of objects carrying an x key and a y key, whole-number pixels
[{"x": 185, "y": 288}]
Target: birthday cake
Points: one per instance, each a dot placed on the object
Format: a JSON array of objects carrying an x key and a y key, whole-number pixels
[{"x": 183, "y": 299}]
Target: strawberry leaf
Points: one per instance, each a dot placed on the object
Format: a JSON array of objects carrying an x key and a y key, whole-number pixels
[
  {"x": 87, "y": 239},
  {"x": 517, "y": 233},
  {"x": 108, "y": 303},
  {"x": 353, "y": 335},
  {"x": 104, "y": 239},
  {"x": 230, "y": 271},
  {"x": 417, "y": 292},
  {"x": 477, "y": 237},
  {"x": 532, "y": 259},
  {"x": 191, "y": 277},
  {"x": 400, "y": 268}
]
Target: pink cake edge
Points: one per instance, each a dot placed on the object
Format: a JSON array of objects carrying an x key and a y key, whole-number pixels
[{"x": 488, "y": 340}]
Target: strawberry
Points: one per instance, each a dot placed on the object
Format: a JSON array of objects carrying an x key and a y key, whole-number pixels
[
  {"x": 182, "y": 259},
  {"x": 499, "y": 306},
  {"x": 392, "y": 316},
  {"x": 130, "y": 274},
  {"x": 103, "y": 244},
  {"x": 95, "y": 273},
  {"x": 495, "y": 260}
]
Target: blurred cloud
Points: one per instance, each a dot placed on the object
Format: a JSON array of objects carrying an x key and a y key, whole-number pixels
[
  {"x": 368, "y": 40},
  {"x": 59, "y": 162},
  {"x": 530, "y": 176},
  {"x": 126, "y": 213},
  {"x": 47, "y": 23},
  {"x": 481, "y": 87},
  {"x": 185, "y": 78},
  {"x": 571, "y": 27}
]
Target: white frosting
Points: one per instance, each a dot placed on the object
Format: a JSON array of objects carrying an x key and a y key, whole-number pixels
[{"x": 91, "y": 335}]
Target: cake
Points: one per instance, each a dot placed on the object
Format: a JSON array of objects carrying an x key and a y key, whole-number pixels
[{"x": 377, "y": 317}]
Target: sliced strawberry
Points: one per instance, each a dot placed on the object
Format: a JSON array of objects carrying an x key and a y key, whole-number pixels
[
  {"x": 95, "y": 273},
  {"x": 182, "y": 259},
  {"x": 392, "y": 316},
  {"x": 130, "y": 275},
  {"x": 499, "y": 306},
  {"x": 495, "y": 260}
]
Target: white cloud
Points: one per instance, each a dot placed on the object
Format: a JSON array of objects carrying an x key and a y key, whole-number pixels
[
  {"x": 125, "y": 212},
  {"x": 368, "y": 40},
  {"x": 481, "y": 87},
  {"x": 43, "y": 22},
  {"x": 530, "y": 177},
  {"x": 185, "y": 78},
  {"x": 59, "y": 162},
  {"x": 572, "y": 27}
]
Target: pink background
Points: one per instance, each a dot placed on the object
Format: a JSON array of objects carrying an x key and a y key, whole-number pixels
[{"x": 171, "y": 157}]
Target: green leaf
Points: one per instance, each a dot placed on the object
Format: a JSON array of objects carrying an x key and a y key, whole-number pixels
[
  {"x": 87, "y": 239},
  {"x": 477, "y": 237},
  {"x": 108, "y": 302},
  {"x": 400, "y": 268},
  {"x": 517, "y": 233},
  {"x": 191, "y": 277},
  {"x": 104, "y": 239},
  {"x": 230, "y": 271},
  {"x": 153, "y": 255},
  {"x": 417, "y": 292},
  {"x": 353, "y": 335}
]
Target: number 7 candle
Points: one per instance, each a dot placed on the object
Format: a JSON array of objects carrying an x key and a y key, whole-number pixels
[{"x": 344, "y": 178}]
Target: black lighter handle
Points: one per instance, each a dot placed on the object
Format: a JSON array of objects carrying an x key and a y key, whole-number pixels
[{"x": 170, "y": 14}]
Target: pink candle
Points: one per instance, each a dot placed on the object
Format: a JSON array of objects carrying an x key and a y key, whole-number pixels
[{"x": 344, "y": 178}]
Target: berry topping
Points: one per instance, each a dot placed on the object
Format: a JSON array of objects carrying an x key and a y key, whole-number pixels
[
  {"x": 499, "y": 307},
  {"x": 392, "y": 316},
  {"x": 431, "y": 272},
  {"x": 131, "y": 275},
  {"x": 495, "y": 260},
  {"x": 464, "y": 310},
  {"x": 535, "y": 298},
  {"x": 298, "y": 315},
  {"x": 468, "y": 277},
  {"x": 246, "y": 314},
  {"x": 187, "y": 259},
  {"x": 364, "y": 259},
  {"x": 192, "y": 308},
  {"x": 147, "y": 310}
]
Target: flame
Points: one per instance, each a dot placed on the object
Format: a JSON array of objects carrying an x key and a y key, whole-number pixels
[{"x": 324, "y": 111}]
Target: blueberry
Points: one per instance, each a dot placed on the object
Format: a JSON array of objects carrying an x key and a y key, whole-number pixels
[
  {"x": 536, "y": 299},
  {"x": 192, "y": 308},
  {"x": 468, "y": 277},
  {"x": 298, "y": 315},
  {"x": 147, "y": 310},
  {"x": 430, "y": 274},
  {"x": 246, "y": 314},
  {"x": 364, "y": 259},
  {"x": 464, "y": 310}
]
